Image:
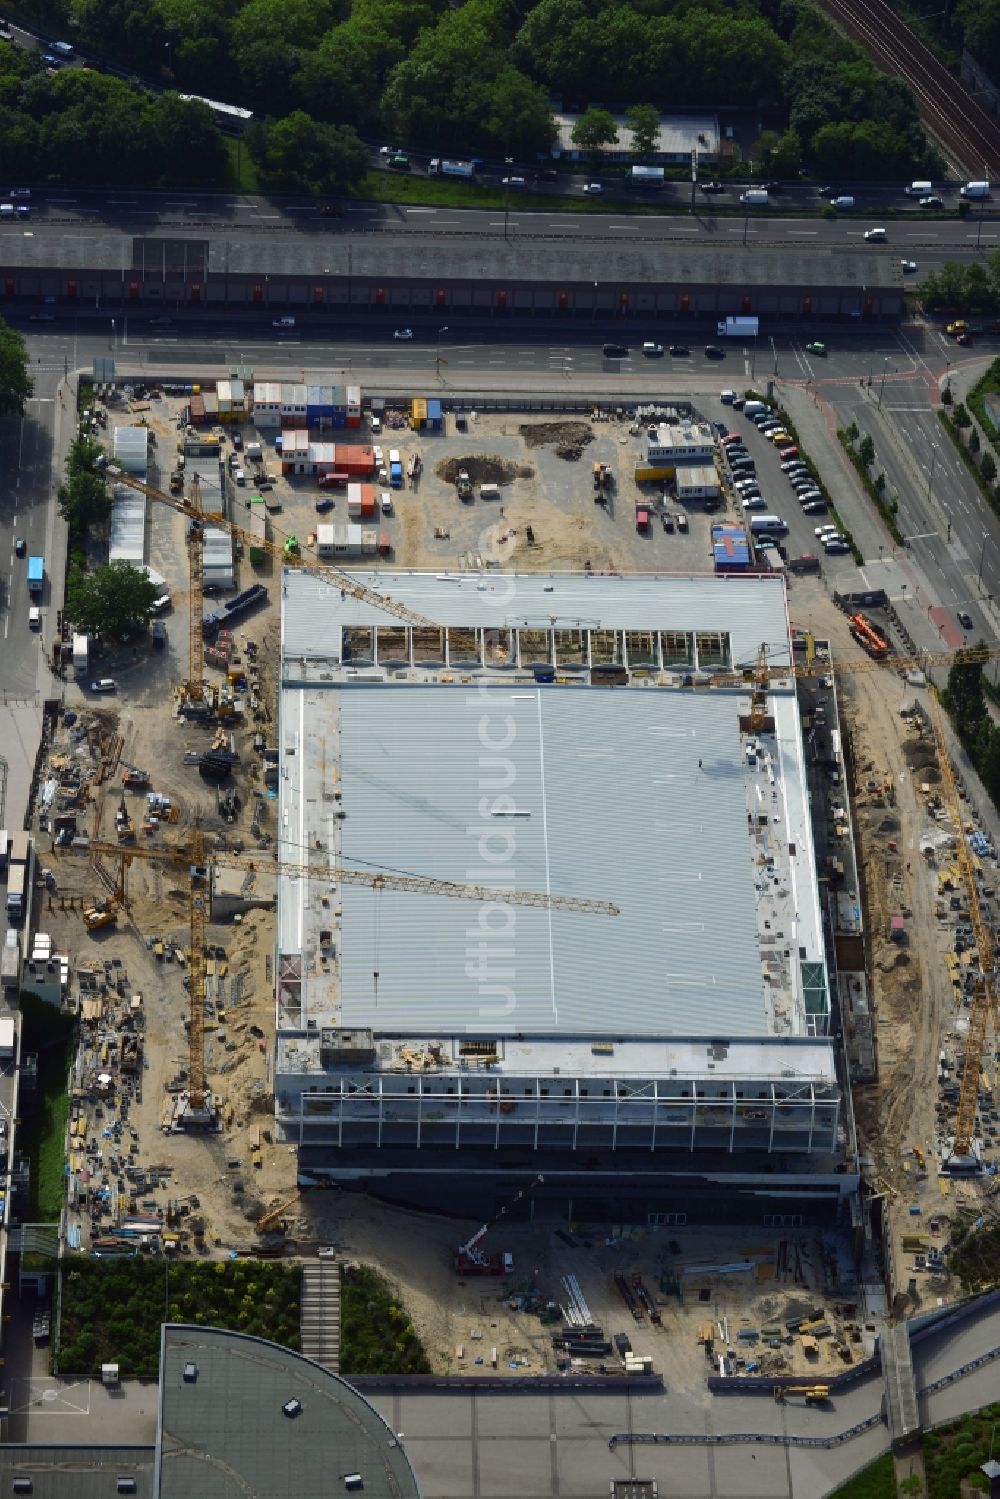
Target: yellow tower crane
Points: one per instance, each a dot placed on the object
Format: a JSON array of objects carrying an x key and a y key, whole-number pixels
[
  {"x": 984, "y": 1003},
  {"x": 192, "y": 506},
  {"x": 196, "y": 1108}
]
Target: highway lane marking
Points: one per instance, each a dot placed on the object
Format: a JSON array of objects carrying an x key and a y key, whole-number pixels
[{"x": 421, "y": 210}]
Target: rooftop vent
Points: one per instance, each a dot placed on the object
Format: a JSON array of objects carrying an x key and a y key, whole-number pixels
[{"x": 190, "y": 1373}]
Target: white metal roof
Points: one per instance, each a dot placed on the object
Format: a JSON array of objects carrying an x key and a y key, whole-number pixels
[
  {"x": 593, "y": 793},
  {"x": 131, "y": 447},
  {"x": 128, "y": 526},
  {"x": 750, "y": 609}
]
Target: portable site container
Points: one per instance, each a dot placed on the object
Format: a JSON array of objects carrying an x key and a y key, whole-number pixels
[
  {"x": 131, "y": 449},
  {"x": 355, "y": 460},
  {"x": 232, "y": 399},
  {"x": 293, "y": 404},
  {"x": 267, "y": 404},
  {"x": 361, "y": 501},
  {"x": 319, "y": 405},
  {"x": 196, "y": 410},
  {"x": 418, "y": 413},
  {"x": 211, "y": 406},
  {"x": 353, "y": 413},
  {"x": 434, "y": 419}
]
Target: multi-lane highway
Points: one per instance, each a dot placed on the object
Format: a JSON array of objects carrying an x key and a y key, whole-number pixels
[{"x": 68, "y": 214}]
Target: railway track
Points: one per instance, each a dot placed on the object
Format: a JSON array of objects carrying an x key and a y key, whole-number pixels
[{"x": 971, "y": 139}]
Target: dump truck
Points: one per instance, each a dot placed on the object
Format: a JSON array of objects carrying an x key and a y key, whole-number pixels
[
  {"x": 98, "y": 916},
  {"x": 36, "y": 575},
  {"x": 464, "y": 485}
]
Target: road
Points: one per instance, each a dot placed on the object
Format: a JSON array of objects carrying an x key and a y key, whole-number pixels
[
  {"x": 69, "y": 213},
  {"x": 26, "y": 461}
]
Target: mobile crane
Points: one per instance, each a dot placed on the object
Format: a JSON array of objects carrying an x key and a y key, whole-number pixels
[{"x": 470, "y": 1259}]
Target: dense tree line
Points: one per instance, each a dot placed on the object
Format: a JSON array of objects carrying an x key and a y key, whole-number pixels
[
  {"x": 83, "y": 126},
  {"x": 965, "y": 700},
  {"x": 964, "y": 288},
  {"x": 478, "y": 75}
]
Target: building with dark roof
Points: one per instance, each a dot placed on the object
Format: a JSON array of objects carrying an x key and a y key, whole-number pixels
[
  {"x": 237, "y": 1416},
  {"x": 468, "y": 273}
]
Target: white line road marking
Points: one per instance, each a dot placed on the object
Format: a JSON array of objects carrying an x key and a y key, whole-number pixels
[
  {"x": 804, "y": 231},
  {"x": 421, "y": 210}
]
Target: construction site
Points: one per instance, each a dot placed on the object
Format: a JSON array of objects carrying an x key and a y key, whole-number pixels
[{"x": 648, "y": 929}]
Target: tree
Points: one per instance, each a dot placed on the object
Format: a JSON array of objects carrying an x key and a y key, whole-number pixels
[
  {"x": 644, "y": 128},
  {"x": 188, "y": 144},
  {"x": 964, "y": 696},
  {"x": 16, "y": 386},
  {"x": 786, "y": 158},
  {"x": 114, "y": 602},
  {"x": 960, "y": 416},
  {"x": 974, "y": 440},
  {"x": 988, "y": 468},
  {"x": 299, "y": 151},
  {"x": 764, "y": 147},
  {"x": 84, "y": 500},
  {"x": 595, "y": 128},
  {"x": 866, "y": 450},
  {"x": 518, "y": 116}
]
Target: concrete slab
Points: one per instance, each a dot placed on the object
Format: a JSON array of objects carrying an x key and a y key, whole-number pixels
[
  {"x": 446, "y": 1468},
  {"x": 516, "y": 1466},
  {"x": 523, "y": 1417}
]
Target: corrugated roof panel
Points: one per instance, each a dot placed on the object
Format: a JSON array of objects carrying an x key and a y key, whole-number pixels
[
  {"x": 750, "y": 609},
  {"x": 128, "y": 526},
  {"x": 632, "y": 797}
]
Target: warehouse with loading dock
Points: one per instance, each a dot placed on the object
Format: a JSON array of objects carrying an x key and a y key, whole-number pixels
[
  {"x": 612, "y": 1042},
  {"x": 477, "y": 275}
]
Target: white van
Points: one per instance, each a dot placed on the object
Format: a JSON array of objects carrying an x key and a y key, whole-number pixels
[
  {"x": 975, "y": 190},
  {"x": 490, "y": 492},
  {"x": 283, "y": 322},
  {"x": 874, "y": 236},
  {"x": 755, "y": 197},
  {"x": 386, "y": 502},
  {"x": 239, "y": 476},
  {"x": 756, "y": 408},
  {"x": 842, "y": 202},
  {"x": 34, "y": 618},
  {"x": 919, "y": 189}
]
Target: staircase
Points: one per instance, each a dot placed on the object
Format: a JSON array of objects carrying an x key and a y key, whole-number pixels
[{"x": 319, "y": 1316}]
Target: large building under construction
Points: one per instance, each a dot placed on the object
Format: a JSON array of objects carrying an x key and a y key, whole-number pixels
[{"x": 659, "y": 1027}]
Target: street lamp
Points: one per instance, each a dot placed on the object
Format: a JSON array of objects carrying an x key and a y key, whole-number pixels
[
  {"x": 881, "y": 389},
  {"x": 508, "y": 162},
  {"x": 930, "y": 476},
  {"x": 437, "y": 359}
]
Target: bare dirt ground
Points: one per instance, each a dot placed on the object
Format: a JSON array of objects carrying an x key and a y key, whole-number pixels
[{"x": 546, "y": 474}]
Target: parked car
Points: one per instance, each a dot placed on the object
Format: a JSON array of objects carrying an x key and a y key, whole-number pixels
[
  {"x": 103, "y": 684},
  {"x": 237, "y": 440},
  {"x": 814, "y": 507},
  {"x": 790, "y": 465},
  {"x": 159, "y": 634},
  {"x": 754, "y": 502},
  {"x": 727, "y": 397},
  {"x": 836, "y": 547},
  {"x": 322, "y": 506}
]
